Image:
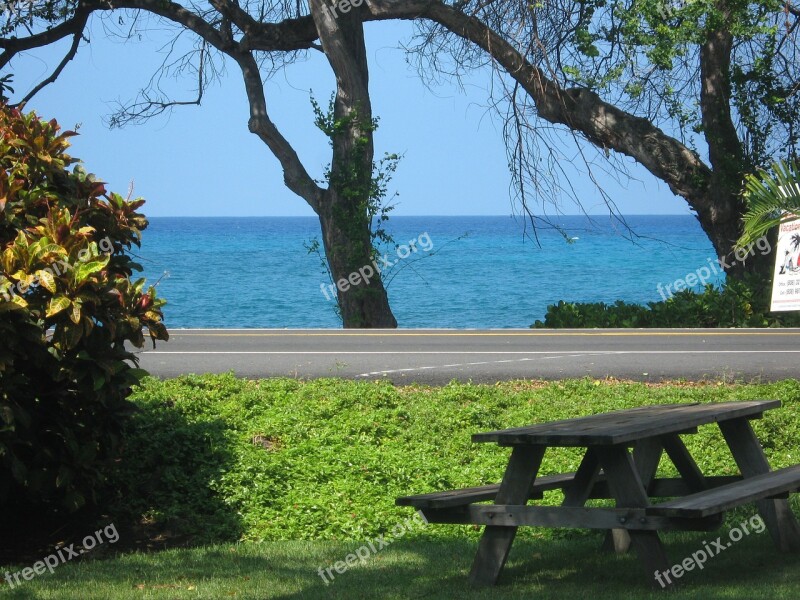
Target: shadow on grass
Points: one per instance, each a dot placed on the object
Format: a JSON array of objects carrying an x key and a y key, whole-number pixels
[
  {"x": 557, "y": 569},
  {"x": 159, "y": 494},
  {"x": 162, "y": 490},
  {"x": 419, "y": 569}
]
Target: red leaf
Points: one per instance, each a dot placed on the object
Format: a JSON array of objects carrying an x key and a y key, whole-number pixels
[{"x": 98, "y": 189}]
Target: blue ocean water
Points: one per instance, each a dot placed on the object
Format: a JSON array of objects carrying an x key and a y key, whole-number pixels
[{"x": 477, "y": 272}]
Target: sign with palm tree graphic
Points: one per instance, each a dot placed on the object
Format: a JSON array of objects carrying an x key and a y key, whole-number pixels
[{"x": 786, "y": 280}]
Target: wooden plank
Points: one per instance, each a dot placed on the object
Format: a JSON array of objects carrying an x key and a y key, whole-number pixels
[
  {"x": 747, "y": 452},
  {"x": 668, "y": 487},
  {"x": 496, "y": 540},
  {"x": 482, "y": 493},
  {"x": 626, "y": 485},
  {"x": 665, "y": 487},
  {"x": 626, "y": 426},
  {"x": 567, "y": 517},
  {"x": 709, "y": 502},
  {"x": 570, "y": 517},
  {"x": 646, "y": 456}
]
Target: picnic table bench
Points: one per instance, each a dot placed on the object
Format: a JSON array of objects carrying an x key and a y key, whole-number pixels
[{"x": 609, "y": 469}]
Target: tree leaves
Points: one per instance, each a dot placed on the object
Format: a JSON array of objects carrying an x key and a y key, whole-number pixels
[
  {"x": 769, "y": 195},
  {"x": 67, "y": 310},
  {"x": 58, "y": 304}
]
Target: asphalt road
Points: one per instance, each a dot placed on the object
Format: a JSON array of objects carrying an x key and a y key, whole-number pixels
[{"x": 438, "y": 356}]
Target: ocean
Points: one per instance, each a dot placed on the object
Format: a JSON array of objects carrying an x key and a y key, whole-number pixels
[{"x": 459, "y": 272}]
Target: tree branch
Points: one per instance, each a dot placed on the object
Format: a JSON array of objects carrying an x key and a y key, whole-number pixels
[
  {"x": 579, "y": 109},
  {"x": 289, "y": 34},
  {"x": 232, "y": 11},
  {"x": 295, "y": 175},
  {"x": 76, "y": 40},
  {"x": 141, "y": 111},
  {"x": 182, "y": 16},
  {"x": 73, "y": 26}
]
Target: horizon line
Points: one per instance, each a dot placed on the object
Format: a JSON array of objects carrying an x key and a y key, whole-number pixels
[{"x": 404, "y": 216}]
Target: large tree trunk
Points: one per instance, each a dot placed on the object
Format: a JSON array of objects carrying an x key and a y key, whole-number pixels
[
  {"x": 721, "y": 212},
  {"x": 343, "y": 210},
  {"x": 362, "y": 299},
  {"x": 342, "y": 207},
  {"x": 721, "y": 219}
]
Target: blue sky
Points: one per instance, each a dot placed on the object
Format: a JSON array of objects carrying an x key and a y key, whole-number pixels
[{"x": 202, "y": 161}]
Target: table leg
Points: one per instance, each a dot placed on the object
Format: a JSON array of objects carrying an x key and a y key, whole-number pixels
[
  {"x": 749, "y": 456},
  {"x": 646, "y": 456},
  {"x": 514, "y": 489},
  {"x": 683, "y": 461},
  {"x": 579, "y": 491},
  {"x": 629, "y": 492}
]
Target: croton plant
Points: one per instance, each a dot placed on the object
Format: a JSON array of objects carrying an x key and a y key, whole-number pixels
[{"x": 70, "y": 315}]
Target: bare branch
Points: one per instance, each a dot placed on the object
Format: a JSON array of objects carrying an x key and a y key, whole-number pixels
[
  {"x": 580, "y": 109},
  {"x": 150, "y": 107},
  {"x": 232, "y": 11},
  {"x": 73, "y": 26},
  {"x": 76, "y": 40},
  {"x": 295, "y": 175}
]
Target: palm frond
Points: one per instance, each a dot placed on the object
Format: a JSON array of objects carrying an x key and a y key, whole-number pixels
[{"x": 770, "y": 195}]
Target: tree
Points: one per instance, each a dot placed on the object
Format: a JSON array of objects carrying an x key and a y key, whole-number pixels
[{"x": 698, "y": 92}]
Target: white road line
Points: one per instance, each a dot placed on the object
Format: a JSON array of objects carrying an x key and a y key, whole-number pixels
[
  {"x": 491, "y": 362},
  {"x": 447, "y": 353}
]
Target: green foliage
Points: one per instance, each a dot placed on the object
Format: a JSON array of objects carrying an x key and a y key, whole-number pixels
[
  {"x": 281, "y": 459},
  {"x": 67, "y": 309},
  {"x": 176, "y": 451},
  {"x": 768, "y": 195},
  {"x": 738, "y": 303},
  {"x": 366, "y": 191},
  {"x": 644, "y": 56}
]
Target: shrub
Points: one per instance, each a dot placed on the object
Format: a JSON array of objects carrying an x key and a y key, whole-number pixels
[
  {"x": 737, "y": 303},
  {"x": 67, "y": 309}
]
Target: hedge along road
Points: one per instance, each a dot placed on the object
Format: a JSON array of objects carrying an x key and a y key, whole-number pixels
[{"x": 483, "y": 356}]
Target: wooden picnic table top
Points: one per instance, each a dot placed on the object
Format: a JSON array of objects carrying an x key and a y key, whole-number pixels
[{"x": 628, "y": 425}]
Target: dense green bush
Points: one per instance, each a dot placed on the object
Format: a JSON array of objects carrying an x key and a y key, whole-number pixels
[
  {"x": 737, "y": 303},
  {"x": 216, "y": 457},
  {"x": 67, "y": 309}
]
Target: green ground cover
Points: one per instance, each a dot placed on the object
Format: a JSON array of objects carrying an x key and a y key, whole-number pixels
[{"x": 270, "y": 480}]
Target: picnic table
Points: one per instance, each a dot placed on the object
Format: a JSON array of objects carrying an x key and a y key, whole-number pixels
[{"x": 623, "y": 450}]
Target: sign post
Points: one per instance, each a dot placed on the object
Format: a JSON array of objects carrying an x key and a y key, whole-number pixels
[{"x": 786, "y": 278}]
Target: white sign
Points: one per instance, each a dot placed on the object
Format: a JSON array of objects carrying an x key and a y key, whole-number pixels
[{"x": 786, "y": 278}]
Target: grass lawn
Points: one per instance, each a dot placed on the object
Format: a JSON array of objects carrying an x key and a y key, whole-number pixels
[
  {"x": 267, "y": 481},
  {"x": 418, "y": 569}
]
